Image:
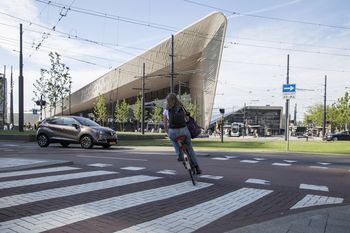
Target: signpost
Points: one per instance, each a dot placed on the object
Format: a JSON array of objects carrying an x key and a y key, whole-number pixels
[{"x": 288, "y": 91}]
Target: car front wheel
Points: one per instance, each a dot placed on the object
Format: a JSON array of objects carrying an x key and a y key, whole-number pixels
[
  {"x": 86, "y": 142},
  {"x": 43, "y": 140}
]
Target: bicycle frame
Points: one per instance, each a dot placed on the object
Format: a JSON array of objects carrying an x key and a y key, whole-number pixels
[{"x": 187, "y": 162}]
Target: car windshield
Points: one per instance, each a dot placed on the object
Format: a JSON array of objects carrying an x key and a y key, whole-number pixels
[{"x": 86, "y": 122}]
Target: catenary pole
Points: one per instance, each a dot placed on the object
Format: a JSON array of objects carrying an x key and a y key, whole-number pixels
[
  {"x": 11, "y": 98},
  {"x": 324, "y": 108},
  {"x": 143, "y": 99},
  {"x": 172, "y": 65},
  {"x": 20, "y": 82}
]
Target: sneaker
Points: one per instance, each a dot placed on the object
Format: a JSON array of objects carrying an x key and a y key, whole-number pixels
[
  {"x": 198, "y": 170},
  {"x": 180, "y": 159}
]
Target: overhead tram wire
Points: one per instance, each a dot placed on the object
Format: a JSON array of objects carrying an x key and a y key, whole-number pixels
[
  {"x": 104, "y": 45},
  {"x": 174, "y": 29},
  {"x": 268, "y": 17}
]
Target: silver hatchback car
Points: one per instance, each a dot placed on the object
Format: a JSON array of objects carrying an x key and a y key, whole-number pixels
[{"x": 73, "y": 129}]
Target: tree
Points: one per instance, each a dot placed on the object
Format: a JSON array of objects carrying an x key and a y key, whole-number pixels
[
  {"x": 138, "y": 110},
  {"x": 157, "y": 113},
  {"x": 189, "y": 106},
  {"x": 122, "y": 112},
  {"x": 54, "y": 83},
  {"x": 100, "y": 109}
]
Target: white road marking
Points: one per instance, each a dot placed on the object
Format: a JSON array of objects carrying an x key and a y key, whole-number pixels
[
  {"x": 133, "y": 168},
  {"x": 257, "y": 181},
  {"x": 324, "y": 164},
  {"x": 290, "y": 161},
  {"x": 71, "y": 190},
  {"x": 167, "y": 172},
  {"x": 248, "y": 161},
  {"x": 281, "y": 164},
  {"x": 193, "y": 218},
  {"x": 318, "y": 167},
  {"x": 36, "y": 171},
  {"x": 58, "y": 218},
  {"x": 11, "y": 162},
  {"x": 315, "y": 200},
  {"x": 260, "y": 159},
  {"x": 100, "y": 165},
  {"x": 211, "y": 177},
  {"x": 314, "y": 187},
  {"x": 47, "y": 179},
  {"x": 106, "y": 157},
  {"x": 231, "y": 157},
  {"x": 220, "y": 158}
]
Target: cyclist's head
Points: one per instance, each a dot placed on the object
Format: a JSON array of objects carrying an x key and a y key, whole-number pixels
[{"x": 172, "y": 100}]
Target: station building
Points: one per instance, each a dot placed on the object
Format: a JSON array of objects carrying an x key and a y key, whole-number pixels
[{"x": 197, "y": 55}]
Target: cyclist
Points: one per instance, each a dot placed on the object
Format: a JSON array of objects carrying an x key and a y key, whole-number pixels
[{"x": 175, "y": 126}]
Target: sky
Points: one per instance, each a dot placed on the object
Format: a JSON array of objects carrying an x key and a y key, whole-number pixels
[{"x": 260, "y": 35}]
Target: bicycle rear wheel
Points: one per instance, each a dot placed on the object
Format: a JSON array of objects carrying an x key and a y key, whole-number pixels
[
  {"x": 190, "y": 167},
  {"x": 192, "y": 177}
]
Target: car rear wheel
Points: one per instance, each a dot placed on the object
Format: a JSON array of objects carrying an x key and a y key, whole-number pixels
[
  {"x": 86, "y": 142},
  {"x": 43, "y": 140},
  {"x": 106, "y": 146},
  {"x": 64, "y": 144}
]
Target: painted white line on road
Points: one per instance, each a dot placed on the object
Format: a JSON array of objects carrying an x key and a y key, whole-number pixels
[
  {"x": 133, "y": 168},
  {"x": 290, "y": 161},
  {"x": 220, "y": 158},
  {"x": 231, "y": 157},
  {"x": 257, "y": 181},
  {"x": 105, "y": 157},
  {"x": 47, "y": 179},
  {"x": 314, "y": 187},
  {"x": 100, "y": 165},
  {"x": 315, "y": 200},
  {"x": 324, "y": 164},
  {"x": 248, "y": 161},
  {"x": 11, "y": 162},
  {"x": 260, "y": 159},
  {"x": 318, "y": 167},
  {"x": 281, "y": 164},
  {"x": 167, "y": 172},
  {"x": 59, "y": 218},
  {"x": 36, "y": 171},
  {"x": 198, "y": 216},
  {"x": 71, "y": 190},
  {"x": 211, "y": 177}
]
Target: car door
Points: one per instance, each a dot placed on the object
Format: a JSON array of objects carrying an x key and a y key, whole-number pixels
[
  {"x": 70, "y": 131},
  {"x": 54, "y": 128}
]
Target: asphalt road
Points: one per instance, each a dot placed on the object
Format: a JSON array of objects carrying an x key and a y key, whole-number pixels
[{"x": 238, "y": 188}]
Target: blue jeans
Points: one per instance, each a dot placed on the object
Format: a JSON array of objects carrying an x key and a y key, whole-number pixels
[{"x": 174, "y": 133}]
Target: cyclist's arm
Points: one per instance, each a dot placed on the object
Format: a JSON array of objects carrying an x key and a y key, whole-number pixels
[{"x": 165, "y": 120}]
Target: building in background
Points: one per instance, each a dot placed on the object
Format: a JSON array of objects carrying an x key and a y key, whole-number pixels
[
  {"x": 197, "y": 56},
  {"x": 253, "y": 120},
  {"x": 3, "y": 101}
]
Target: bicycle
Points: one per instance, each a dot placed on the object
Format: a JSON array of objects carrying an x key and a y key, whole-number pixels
[{"x": 187, "y": 161}]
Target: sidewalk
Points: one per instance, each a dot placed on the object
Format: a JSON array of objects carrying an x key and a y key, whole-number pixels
[
  {"x": 328, "y": 220},
  {"x": 16, "y": 164}
]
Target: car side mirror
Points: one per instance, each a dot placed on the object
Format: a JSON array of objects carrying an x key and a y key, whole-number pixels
[{"x": 76, "y": 126}]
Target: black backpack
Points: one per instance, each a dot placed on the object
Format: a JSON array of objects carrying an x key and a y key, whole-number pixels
[{"x": 176, "y": 117}]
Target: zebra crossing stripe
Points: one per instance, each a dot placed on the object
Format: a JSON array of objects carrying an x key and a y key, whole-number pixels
[
  {"x": 47, "y": 179},
  {"x": 315, "y": 200},
  {"x": 58, "y": 218},
  {"x": 71, "y": 190},
  {"x": 36, "y": 171},
  {"x": 193, "y": 218}
]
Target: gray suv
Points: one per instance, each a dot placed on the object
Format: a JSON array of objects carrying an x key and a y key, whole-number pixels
[{"x": 74, "y": 129}]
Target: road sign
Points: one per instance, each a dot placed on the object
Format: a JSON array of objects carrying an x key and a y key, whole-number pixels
[
  {"x": 289, "y": 88},
  {"x": 35, "y": 111},
  {"x": 288, "y": 91}
]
